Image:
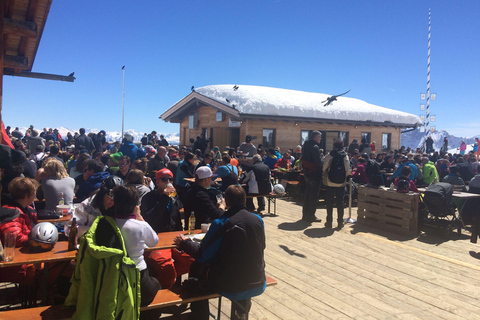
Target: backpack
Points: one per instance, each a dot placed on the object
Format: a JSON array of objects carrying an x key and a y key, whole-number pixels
[
  {"x": 403, "y": 186},
  {"x": 336, "y": 172}
]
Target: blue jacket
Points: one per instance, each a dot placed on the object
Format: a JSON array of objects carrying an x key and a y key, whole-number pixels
[
  {"x": 233, "y": 251},
  {"x": 224, "y": 170},
  {"x": 412, "y": 176},
  {"x": 270, "y": 162},
  {"x": 129, "y": 149},
  {"x": 93, "y": 183},
  {"x": 184, "y": 170}
]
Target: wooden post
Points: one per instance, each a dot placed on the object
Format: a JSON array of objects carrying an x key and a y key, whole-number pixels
[{"x": 2, "y": 52}]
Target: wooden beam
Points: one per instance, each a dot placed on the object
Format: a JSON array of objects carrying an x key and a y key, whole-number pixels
[
  {"x": 2, "y": 52},
  {"x": 15, "y": 62},
  {"x": 32, "y": 10},
  {"x": 20, "y": 28},
  {"x": 38, "y": 75}
]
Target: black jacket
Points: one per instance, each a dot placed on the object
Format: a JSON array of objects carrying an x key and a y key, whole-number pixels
[
  {"x": 233, "y": 250},
  {"x": 161, "y": 212},
  {"x": 311, "y": 161},
  {"x": 85, "y": 141},
  {"x": 262, "y": 176},
  {"x": 202, "y": 203}
]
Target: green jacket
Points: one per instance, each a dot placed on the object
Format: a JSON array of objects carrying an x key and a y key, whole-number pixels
[
  {"x": 106, "y": 282},
  {"x": 429, "y": 172}
]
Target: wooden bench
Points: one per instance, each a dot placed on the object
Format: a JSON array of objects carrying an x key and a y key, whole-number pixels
[
  {"x": 164, "y": 298},
  {"x": 271, "y": 197}
]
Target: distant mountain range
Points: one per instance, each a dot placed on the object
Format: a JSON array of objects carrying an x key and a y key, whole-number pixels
[
  {"x": 112, "y": 136},
  {"x": 415, "y": 139}
]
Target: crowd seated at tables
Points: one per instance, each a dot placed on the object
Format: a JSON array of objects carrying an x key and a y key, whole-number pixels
[{"x": 87, "y": 167}]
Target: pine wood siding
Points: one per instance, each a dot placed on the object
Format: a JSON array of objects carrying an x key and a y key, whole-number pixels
[{"x": 288, "y": 135}]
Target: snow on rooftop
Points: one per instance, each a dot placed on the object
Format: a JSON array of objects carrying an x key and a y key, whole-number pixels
[{"x": 283, "y": 102}]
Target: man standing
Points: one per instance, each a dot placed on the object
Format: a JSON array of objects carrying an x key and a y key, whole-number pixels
[
  {"x": 336, "y": 168},
  {"x": 33, "y": 141},
  {"x": 312, "y": 170},
  {"x": 257, "y": 178},
  {"x": 84, "y": 141},
  {"x": 17, "y": 133},
  {"x": 163, "y": 142},
  {"x": 233, "y": 253},
  {"x": 247, "y": 149},
  {"x": 429, "y": 144}
]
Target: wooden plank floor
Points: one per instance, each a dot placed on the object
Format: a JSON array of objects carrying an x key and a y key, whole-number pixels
[{"x": 361, "y": 272}]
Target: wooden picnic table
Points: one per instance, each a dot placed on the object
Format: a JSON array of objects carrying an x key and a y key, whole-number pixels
[
  {"x": 64, "y": 218},
  {"x": 60, "y": 253}
]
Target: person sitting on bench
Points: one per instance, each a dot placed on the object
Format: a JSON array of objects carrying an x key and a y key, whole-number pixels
[
  {"x": 137, "y": 235},
  {"x": 229, "y": 259}
]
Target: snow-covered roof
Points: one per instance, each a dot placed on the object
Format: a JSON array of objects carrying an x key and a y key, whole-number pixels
[{"x": 257, "y": 100}]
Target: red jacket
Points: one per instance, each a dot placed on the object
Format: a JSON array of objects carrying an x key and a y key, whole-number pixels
[
  {"x": 12, "y": 219},
  {"x": 282, "y": 163}
]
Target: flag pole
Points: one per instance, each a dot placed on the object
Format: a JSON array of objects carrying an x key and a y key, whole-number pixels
[{"x": 123, "y": 102}]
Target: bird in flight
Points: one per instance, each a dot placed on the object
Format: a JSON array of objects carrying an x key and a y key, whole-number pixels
[
  {"x": 333, "y": 98},
  {"x": 235, "y": 88}
]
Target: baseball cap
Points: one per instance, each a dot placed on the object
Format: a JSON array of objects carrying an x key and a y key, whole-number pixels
[
  {"x": 204, "y": 172},
  {"x": 163, "y": 173}
]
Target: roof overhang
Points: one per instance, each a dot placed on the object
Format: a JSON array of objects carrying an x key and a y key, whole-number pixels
[
  {"x": 192, "y": 102},
  {"x": 23, "y": 25}
]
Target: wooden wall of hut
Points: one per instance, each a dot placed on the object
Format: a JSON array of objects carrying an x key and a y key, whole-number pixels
[{"x": 288, "y": 133}]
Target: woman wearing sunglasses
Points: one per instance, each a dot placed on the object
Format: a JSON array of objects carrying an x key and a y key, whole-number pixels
[{"x": 100, "y": 203}]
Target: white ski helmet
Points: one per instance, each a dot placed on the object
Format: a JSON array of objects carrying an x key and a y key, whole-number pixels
[
  {"x": 128, "y": 137},
  {"x": 43, "y": 237},
  {"x": 279, "y": 189}
]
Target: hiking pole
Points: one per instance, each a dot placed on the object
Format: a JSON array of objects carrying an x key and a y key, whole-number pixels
[{"x": 349, "y": 219}]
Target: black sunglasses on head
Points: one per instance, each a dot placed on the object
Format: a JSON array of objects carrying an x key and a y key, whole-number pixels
[{"x": 166, "y": 179}]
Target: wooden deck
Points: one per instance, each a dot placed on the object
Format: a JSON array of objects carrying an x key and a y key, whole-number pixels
[{"x": 363, "y": 273}]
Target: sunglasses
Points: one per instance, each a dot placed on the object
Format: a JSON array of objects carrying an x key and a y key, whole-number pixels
[
  {"x": 166, "y": 179},
  {"x": 122, "y": 164}
]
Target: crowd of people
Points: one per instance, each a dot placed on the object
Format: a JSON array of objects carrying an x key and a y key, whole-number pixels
[
  {"x": 143, "y": 188},
  {"x": 153, "y": 185}
]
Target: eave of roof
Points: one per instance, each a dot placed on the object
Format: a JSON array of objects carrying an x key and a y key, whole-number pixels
[
  {"x": 190, "y": 103},
  {"x": 25, "y": 22}
]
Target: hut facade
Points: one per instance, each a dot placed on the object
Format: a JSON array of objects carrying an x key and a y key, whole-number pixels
[{"x": 225, "y": 114}]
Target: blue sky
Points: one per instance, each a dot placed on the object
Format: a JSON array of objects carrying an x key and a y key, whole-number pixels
[{"x": 378, "y": 49}]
